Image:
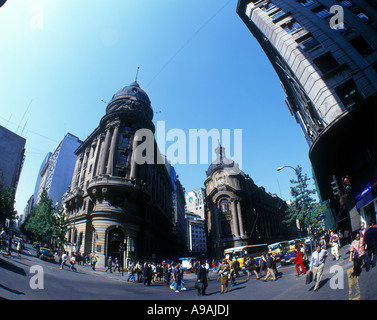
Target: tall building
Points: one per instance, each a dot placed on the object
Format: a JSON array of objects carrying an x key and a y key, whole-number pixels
[
  {"x": 324, "y": 53},
  {"x": 56, "y": 171},
  {"x": 116, "y": 200},
  {"x": 12, "y": 153},
  {"x": 238, "y": 212},
  {"x": 196, "y": 235},
  {"x": 195, "y": 201}
]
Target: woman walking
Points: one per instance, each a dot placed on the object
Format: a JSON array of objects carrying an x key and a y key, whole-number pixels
[
  {"x": 224, "y": 272},
  {"x": 356, "y": 255},
  {"x": 250, "y": 267}
]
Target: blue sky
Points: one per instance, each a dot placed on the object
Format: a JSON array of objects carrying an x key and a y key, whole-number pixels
[{"x": 199, "y": 65}]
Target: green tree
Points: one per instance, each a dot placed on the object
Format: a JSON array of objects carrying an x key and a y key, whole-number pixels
[
  {"x": 7, "y": 200},
  {"x": 43, "y": 222},
  {"x": 304, "y": 207}
]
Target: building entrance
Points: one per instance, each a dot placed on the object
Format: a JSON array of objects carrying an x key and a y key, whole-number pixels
[{"x": 115, "y": 239}]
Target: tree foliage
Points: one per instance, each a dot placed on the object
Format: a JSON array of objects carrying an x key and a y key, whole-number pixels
[
  {"x": 7, "y": 201},
  {"x": 46, "y": 222},
  {"x": 304, "y": 208}
]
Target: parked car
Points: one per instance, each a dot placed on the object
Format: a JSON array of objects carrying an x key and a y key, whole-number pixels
[
  {"x": 46, "y": 254},
  {"x": 288, "y": 258}
]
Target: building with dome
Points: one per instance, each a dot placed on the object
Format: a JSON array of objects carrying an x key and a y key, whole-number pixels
[
  {"x": 238, "y": 212},
  {"x": 115, "y": 200}
]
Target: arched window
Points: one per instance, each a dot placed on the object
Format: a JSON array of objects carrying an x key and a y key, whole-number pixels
[{"x": 224, "y": 206}]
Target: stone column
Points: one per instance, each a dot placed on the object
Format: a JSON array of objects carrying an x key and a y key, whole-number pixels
[
  {"x": 104, "y": 151},
  {"x": 75, "y": 173},
  {"x": 239, "y": 215},
  {"x": 234, "y": 219},
  {"x": 96, "y": 155},
  {"x": 83, "y": 166},
  {"x": 114, "y": 140},
  {"x": 135, "y": 142}
]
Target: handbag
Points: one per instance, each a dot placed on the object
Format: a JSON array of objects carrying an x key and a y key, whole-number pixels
[{"x": 309, "y": 277}]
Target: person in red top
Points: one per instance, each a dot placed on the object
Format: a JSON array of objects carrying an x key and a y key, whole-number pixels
[{"x": 299, "y": 261}]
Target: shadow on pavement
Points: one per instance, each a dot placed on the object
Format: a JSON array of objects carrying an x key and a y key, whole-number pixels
[{"x": 11, "y": 267}]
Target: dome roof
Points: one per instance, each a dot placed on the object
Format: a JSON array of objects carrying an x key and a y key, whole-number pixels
[
  {"x": 221, "y": 162},
  {"x": 132, "y": 90}
]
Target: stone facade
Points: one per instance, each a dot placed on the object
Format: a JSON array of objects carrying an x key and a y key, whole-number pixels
[
  {"x": 115, "y": 199},
  {"x": 238, "y": 212}
]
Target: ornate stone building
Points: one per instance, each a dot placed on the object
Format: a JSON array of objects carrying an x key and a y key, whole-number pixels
[
  {"x": 114, "y": 199},
  {"x": 238, "y": 212}
]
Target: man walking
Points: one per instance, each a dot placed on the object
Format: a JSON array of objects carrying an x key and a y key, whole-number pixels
[
  {"x": 270, "y": 269},
  {"x": 334, "y": 242},
  {"x": 371, "y": 246},
  {"x": 317, "y": 263}
]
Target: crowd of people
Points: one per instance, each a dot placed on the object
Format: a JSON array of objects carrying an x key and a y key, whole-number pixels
[{"x": 363, "y": 254}]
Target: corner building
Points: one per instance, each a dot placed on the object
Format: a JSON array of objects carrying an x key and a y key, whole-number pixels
[
  {"x": 113, "y": 200},
  {"x": 328, "y": 69},
  {"x": 238, "y": 212}
]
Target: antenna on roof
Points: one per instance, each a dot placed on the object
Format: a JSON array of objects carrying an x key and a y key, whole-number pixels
[{"x": 137, "y": 73}]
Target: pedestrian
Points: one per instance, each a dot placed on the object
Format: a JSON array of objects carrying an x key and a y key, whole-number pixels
[
  {"x": 250, "y": 267},
  {"x": 109, "y": 264},
  {"x": 64, "y": 260},
  {"x": 270, "y": 269},
  {"x": 362, "y": 230},
  {"x": 176, "y": 277},
  {"x": 371, "y": 246},
  {"x": 262, "y": 265},
  {"x": 93, "y": 262},
  {"x": 299, "y": 261},
  {"x": 147, "y": 273},
  {"x": 202, "y": 280},
  {"x": 356, "y": 255},
  {"x": 207, "y": 268},
  {"x": 116, "y": 265},
  {"x": 232, "y": 272},
  {"x": 139, "y": 271},
  {"x": 180, "y": 277},
  {"x": 167, "y": 273},
  {"x": 2, "y": 238},
  {"x": 19, "y": 248},
  {"x": 334, "y": 243},
  {"x": 223, "y": 272},
  {"x": 10, "y": 238},
  {"x": 131, "y": 272},
  {"x": 317, "y": 263},
  {"x": 72, "y": 262}
]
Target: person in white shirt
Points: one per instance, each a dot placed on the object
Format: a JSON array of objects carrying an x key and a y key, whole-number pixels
[{"x": 317, "y": 262}]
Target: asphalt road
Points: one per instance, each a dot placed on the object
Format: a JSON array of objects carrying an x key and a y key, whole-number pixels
[{"x": 28, "y": 278}]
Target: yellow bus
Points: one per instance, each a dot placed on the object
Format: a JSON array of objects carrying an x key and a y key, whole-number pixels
[
  {"x": 278, "y": 249},
  {"x": 243, "y": 252}
]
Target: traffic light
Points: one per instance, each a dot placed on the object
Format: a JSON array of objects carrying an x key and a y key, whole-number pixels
[
  {"x": 335, "y": 187},
  {"x": 346, "y": 184}
]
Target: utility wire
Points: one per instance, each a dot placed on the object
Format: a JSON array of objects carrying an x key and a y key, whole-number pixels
[{"x": 188, "y": 41}]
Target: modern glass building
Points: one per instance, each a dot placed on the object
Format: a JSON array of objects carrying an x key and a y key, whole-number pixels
[{"x": 324, "y": 53}]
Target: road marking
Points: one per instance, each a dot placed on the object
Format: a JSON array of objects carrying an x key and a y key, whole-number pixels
[{"x": 353, "y": 286}]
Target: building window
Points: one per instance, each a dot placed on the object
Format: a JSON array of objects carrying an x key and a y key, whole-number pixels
[
  {"x": 361, "y": 45},
  {"x": 345, "y": 3},
  {"x": 125, "y": 142},
  {"x": 291, "y": 26},
  {"x": 268, "y": 6},
  {"x": 348, "y": 94},
  {"x": 123, "y": 159},
  {"x": 341, "y": 27},
  {"x": 361, "y": 14},
  {"x": 306, "y": 3},
  {"x": 321, "y": 12},
  {"x": 277, "y": 16},
  {"x": 224, "y": 206},
  {"x": 307, "y": 42},
  {"x": 326, "y": 62}
]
